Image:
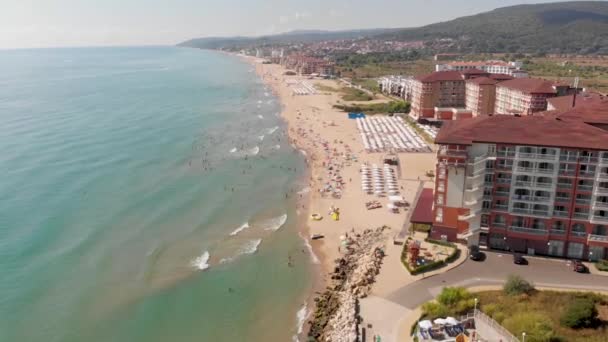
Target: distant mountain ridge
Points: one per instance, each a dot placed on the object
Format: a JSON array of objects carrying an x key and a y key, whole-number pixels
[{"x": 561, "y": 27}]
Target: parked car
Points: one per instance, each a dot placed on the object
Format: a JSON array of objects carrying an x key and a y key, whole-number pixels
[
  {"x": 475, "y": 254},
  {"x": 578, "y": 266},
  {"x": 519, "y": 259}
]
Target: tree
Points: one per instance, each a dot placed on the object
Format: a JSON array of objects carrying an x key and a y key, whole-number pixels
[
  {"x": 580, "y": 314},
  {"x": 516, "y": 285}
]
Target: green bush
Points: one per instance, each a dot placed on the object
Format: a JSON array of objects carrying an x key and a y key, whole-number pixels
[
  {"x": 450, "y": 296},
  {"x": 434, "y": 310},
  {"x": 602, "y": 265},
  {"x": 537, "y": 327},
  {"x": 517, "y": 285},
  {"x": 452, "y": 301},
  {"x": 580, "y": 314}
]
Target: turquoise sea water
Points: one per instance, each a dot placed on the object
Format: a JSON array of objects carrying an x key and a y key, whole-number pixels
[{"x": 124, "y": 172}]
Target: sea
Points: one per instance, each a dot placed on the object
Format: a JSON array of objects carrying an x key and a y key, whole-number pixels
[{"x": 146, "y": 194}]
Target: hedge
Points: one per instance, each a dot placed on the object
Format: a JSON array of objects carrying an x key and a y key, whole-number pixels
[
  {"x": 433, "y": 265},
  {"x": 602, "y": 265}
]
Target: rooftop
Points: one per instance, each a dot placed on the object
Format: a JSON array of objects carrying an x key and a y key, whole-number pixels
[
  {"x": 438, "y": 76},
  {"x": 529, "y": 85},
  {"x": 584, "y": 99},
  {"x": 423, "y": 213},
  {"x": 482, "y": 81},
  {"x": 565, "y": 129}
]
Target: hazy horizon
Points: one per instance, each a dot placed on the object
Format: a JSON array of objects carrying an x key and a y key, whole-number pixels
[{"x": 77, "y": 23}]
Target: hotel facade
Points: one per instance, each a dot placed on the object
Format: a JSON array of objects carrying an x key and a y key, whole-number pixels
[{"x": 534, "y": 184}]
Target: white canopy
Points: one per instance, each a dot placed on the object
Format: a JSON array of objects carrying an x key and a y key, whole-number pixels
[
  {"x": 395, "y": 198},
  {"x": 451, "y": 321},
  {"x": 426, "y": 324},
  {"x": 439, "y": 321}
]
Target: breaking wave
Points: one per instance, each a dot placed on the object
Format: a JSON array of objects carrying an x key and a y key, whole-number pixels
[
  {"x": 301, "y": 316},
  {"x": 201, "y": 262},
  {"x": 240, "y": 229},
  {"x": 272, "y": 130},
  {"x": 234, "y": 149},
  {"x": 275, "y": 223},
  {"x": 313, "y": 256}
]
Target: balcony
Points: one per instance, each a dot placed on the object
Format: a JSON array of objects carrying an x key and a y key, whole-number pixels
[
  {"x": 599, "y": 219},
  {"x": 568, "y": 158},
  {"x": 602, "y": 176},
  {"x": 584, "y": 201},
  {"x": 578, "y": 234},
  {"x": 600, "y": 205},
  {"x": 558, "y": 232},
  {"x": 566, "y": 186},
  {"x": 543, "y": 184},
  {"x": 567, "y": 173},
  {"x": 501, "y": 207},
  {"x": 524, "y": 169},
  {"x": 529, "y": 230},
  {"x": 544, "y": 170},
  {"x": 586, "y": 174},
  {"x": 501, "y": 193},
  {"x": 562, "y": 199},
  {"x": 581, "y": 216},
  {"x": 597, "y": 238},
  {"x": 601, "y": 191},
  {"x": 585, "y": 187},
  {"x": 588, "y": 160},
  {"x": 560, "y": 213},
  {"x": 523, "y": 183},
  {"x": 604, "y": 160},
  {"x": 452, "y": 153},
  {"x": 503, "y": 180},
  {"x": 508, "y": 154},
  {"x": 545, "y": 156},
  {"x": 541, "y": 199},
  {"x": 499, "y": 225}
]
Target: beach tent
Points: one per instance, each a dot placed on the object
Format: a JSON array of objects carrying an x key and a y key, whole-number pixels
[
  {"x": 426, "y": 324},
  {"x": 451, "y": 321},
  {"x": 395, "y": 198}
]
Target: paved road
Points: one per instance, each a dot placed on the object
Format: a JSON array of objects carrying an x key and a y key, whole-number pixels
[{"x": 493, "y": 271}]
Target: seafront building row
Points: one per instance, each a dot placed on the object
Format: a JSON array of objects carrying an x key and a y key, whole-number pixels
[
  {"x": 532, "y": 184},
  {"x": 458, "y": 94}
]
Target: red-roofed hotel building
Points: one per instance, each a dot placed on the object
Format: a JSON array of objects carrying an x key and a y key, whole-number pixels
[
  {"x": 523, "y": 96},
  {"x": 534, "y": 184},
  {"x": 438, "y": 95}
]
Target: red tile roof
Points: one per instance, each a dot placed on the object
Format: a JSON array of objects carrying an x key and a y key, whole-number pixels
[
  {"x": 584, "y": 99},
  {"x": 500, "y": 77},
  {"x": 529, "y": 85},
  {"x": 482, "y": 81},
  {"x": 592, "y": 114},
  {"x": 423, "y": 213},
  {"x": 567, "y": 130},
  {"x": 438, "y": 76}
]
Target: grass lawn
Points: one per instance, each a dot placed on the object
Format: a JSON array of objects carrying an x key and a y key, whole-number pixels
[
  {"x": 347, "y": 93},
  {"x": 524, "y": 312}
]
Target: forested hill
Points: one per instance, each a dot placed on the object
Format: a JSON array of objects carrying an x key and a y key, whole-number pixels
[{"x": 561, "y": 27}]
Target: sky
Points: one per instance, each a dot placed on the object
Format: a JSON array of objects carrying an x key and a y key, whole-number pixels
[{"x": 53, "y": 23}]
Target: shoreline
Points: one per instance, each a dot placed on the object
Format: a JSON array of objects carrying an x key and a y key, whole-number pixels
[{"x": 334, "y": 154}]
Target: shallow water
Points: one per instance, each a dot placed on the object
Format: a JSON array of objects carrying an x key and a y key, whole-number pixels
[{"x": 119, "y": 196}]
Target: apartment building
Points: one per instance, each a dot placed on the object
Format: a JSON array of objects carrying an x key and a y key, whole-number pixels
[
  {"x": 523, "y": 96},
  {"x": 397, "y": 85},
  {"x": 480, "y": 95},
  {"x": 513, "y": 69},
  {"x": 436, "y": 93},
  {"x": 533, "y": 184},
  {"x": 306, "y": 65}
]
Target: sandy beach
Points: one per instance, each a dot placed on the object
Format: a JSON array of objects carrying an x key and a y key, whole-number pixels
[{"x": 323, "y": 133}]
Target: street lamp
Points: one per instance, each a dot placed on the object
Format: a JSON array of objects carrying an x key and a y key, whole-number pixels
[{"x": 523, "y": 336}]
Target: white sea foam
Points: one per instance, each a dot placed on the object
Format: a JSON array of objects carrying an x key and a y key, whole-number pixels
[
  {"x": 303, "y": 153},
  {"x": 250, "y": 247},
  {"x": 234, "y": 149},
  {"x": 272, "y": 130},
  {"x": 240, "y": 229},
  {"x": 304, "y": 191},
  {"x": 260, "y": 101},
  {"x": 313, "y": 256},
  {"x": 260, "y": 116},
  {"x": 277, "y": 147},
  {"x": 301, "y": 317},
  {"x": 261, "y": 137},
  {"x": 266, "y": 94},
  {"x": 253, "y": 151},
  {"x": 275, "y": 223},
  {"x": 201, "y": 262}
]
